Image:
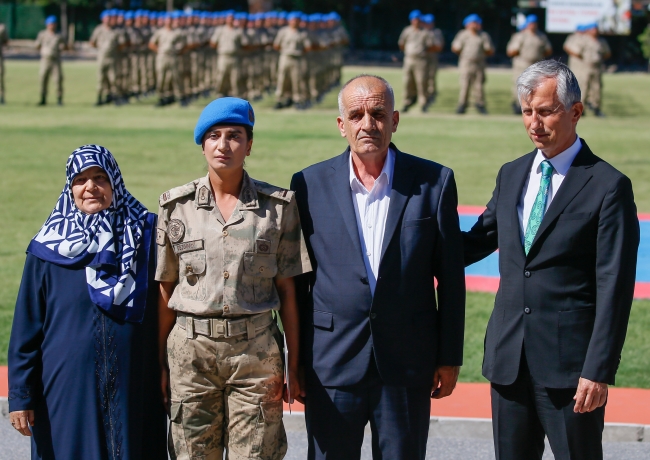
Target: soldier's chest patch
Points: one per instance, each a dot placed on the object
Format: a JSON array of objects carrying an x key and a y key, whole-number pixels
[
  {"x": 262, "y": 246},
  {"x": 175, "y": 230},
  {"x": 187, "y": 246}
]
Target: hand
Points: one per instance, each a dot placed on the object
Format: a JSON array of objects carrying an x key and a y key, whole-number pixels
[
  {"x": 590, "y": 396},
  {"x": 444, "y": 381},
  {"x": 21, "y": 420},
  {"x": 297, "y": 380}
]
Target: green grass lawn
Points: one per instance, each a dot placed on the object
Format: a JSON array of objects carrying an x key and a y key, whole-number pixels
[{"x": 155, "y": 150}]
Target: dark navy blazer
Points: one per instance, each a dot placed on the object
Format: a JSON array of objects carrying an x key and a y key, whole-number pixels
[{"x": 407, "y": 329}]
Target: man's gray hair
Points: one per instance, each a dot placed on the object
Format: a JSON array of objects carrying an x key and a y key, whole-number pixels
[
  {"x": 366, "y": 75},
  {"x": 567, "y": 90}
]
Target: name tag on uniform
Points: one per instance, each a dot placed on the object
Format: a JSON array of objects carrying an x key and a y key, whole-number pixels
[{"x": 187, "y": 246}]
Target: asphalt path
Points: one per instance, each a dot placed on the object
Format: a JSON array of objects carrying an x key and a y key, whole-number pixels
[{"x": 14, "y": 446}]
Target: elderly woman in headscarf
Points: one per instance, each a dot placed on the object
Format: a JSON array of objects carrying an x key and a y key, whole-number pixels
[{"x": 83, "y": 368}]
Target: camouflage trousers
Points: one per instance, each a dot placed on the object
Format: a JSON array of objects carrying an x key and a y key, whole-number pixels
[{"x": 226, "y": 394}]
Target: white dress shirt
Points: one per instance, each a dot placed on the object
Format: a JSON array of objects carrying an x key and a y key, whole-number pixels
[
  {"x": 371, "y": 210},
  {"x": 561, "y": 164}
]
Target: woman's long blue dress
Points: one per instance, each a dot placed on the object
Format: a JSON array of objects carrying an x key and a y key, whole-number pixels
[{"x": 93, "y": 381}]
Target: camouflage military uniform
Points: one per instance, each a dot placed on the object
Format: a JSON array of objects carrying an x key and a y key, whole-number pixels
[
  {"x": 224, "y": 353},
  {"x": 50, "y": 45},
  {"x": 229, "y": 42},
  {"x": 170, "y": 43},
  {"x": 588, "y": 69},
  {"x": 107, "y": 41},
  {"x": 432, "y": 58},
  {"x": 531, "y": 47},
  {"x": 4, "y": 39},
  {"x": 472, "y": 49},
  {"x": 293, "y": 45},
  {"x": 415, "y": 42}
]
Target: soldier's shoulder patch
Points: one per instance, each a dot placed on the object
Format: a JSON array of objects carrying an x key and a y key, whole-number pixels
[
  {"x": 177, "y": 192},
  {"x": 273, "y": 191}
]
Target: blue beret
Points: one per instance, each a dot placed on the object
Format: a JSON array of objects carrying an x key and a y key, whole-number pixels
[
  {"x": 50, "y": 20},
  {"x": 591, "y": 25},
  {"x": 427, "y": 18},
  {"x": 241, "y": 16},
  {"x": 531, "y": 18},
  {"x": 128, "y": 15},
  {"x": 414, "y": 14},
  {"x": 294, "y": 15},
  {"x": 104, "y": 14},
  {"x": 472, "y": 18},
  {"x": 224, "y": 111},
  {"x": 119, "y": 13}
]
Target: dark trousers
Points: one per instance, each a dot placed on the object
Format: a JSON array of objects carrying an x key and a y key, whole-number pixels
[
  {"x": 524, "y": 412},
  {"x": 336, "y": 418}
]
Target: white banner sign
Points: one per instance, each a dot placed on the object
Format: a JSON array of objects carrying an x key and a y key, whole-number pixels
[{"x": 613, "y": 16}]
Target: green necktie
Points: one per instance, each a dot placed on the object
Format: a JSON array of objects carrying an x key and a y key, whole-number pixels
[{"x": 539, "y": 207}]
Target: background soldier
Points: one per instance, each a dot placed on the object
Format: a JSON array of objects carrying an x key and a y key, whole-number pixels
[
  {"x": 132, "y": 55},
  {"x": 108, "y": 42},
  {"x": 589, "y": 51},
  {"x": 4, "y": 40},
  {"x": 169, "y": 43},
  {"x": 432, "y": 56},
  {"x": 472, "y": 46},
  {"x": 228, "y": 40},
  {"x": 293, "y": 44},
  {"x": 416, "y": 42},
  {"x": 50, "y": 43},
  {"x": 122, "y": 61},
  {"x": 526, "y": 47},
  {"x": 342, "y": 39}
]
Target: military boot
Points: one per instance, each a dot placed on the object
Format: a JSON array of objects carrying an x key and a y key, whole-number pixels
[
  {"x": 42, "y": 101},
  {"x": 59, "y": 101}
]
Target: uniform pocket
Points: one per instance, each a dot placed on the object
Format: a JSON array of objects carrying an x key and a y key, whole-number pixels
[
  {"x": 575, "y": 329},
  {"x": 191, "y": 266},
  {"x": 257, "y": 281},
  {"x": 270, "y": 438}
]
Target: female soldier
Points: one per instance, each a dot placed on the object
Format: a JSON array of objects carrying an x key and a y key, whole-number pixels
[{"x": 228, "y": 249}]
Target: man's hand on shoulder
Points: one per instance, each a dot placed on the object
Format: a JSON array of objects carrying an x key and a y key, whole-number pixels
[
  {"x": 444, "y": 381},
  {"x": 590, "y": 396}
]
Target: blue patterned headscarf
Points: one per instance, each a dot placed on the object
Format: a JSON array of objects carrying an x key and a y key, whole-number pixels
[{"x": 112, "y": 244}]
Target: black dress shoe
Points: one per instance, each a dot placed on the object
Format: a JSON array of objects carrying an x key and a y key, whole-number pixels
[
  {"x": 460, "y": 109},
  {"x": 481, "y": 109}
]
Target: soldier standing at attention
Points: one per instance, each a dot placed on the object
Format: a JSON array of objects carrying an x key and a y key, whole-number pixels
[
  {"x": 472, "y": 46},
  {"x": 293, "y": 44},
  {"x": 432, "y": 56},
  {"x": 4, "y": 40},
  {"x": 134, "y": 36},
  {"x": 169, "y": 43},
  {"x": 590, "y": 53},
  {"x": 229, "y": 41},
  {"x": 415, "y": 41},
  {"x": 526, "y": 47},
  {"x": 50, "y": 43},
  {"x": 107, "y": 41},
  {"x": 122, "y": 80},
  {"x": 228, "y": 249}
]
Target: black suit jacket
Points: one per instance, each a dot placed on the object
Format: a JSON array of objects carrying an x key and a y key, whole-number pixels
[
  {"x": 568, "y": 301},
  {"x": 342, "y": 323}
]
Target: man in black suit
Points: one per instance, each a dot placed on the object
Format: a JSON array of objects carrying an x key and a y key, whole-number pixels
[
  {"x": 566, "y": 227},
  {"x": 376, "y": 344}
]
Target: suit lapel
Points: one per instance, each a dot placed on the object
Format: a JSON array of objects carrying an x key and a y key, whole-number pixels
[
  {"x": 400, "y": 192},
  {"x": 510, "y": 197},
  {"x": 578, "y": 175},
  {"x": 341, "y": 190}
]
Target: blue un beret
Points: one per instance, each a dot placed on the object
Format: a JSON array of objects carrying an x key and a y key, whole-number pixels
[
  {"x": 472, "y": 18},
  {"x": 531, "y": 18},
  {"x": 224, "y": 111},
  {"x": 428, "y": 18},
  {"x": 414, "y": 14},
  {"x": 50, "y": 20}
]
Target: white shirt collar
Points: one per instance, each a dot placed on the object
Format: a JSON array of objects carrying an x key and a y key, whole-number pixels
[
  {"x": 386, "y": 171},
  {"x": 562, "y": 161}
]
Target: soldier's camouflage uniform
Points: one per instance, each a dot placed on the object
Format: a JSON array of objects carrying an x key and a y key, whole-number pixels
[{"x": 224, "y": 353}]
